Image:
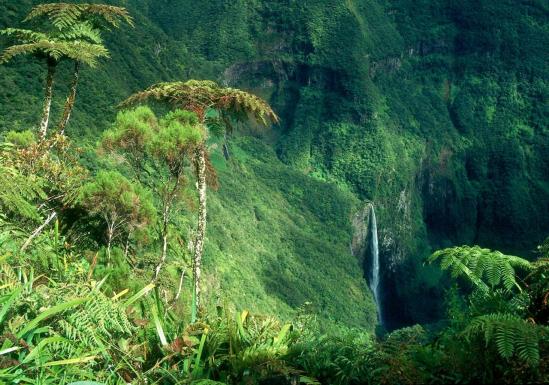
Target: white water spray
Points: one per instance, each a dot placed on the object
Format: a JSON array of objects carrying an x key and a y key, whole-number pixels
[{"x": 374, "y": 279}]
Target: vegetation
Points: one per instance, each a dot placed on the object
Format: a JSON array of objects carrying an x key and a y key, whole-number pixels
[
  {"x": 73, "y": 34},
  {"x": 202, "y": 98},
  {"x": 434, "y": 112}
]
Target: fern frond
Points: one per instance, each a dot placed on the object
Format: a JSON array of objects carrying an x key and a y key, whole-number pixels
[
  {"x": 200, "y": 96},
  {"x": 482, "y": 267},
  {"x": 510, "y": 335},
  {"x": 77, "y": 50},
  {"x": 64, "y": 15},
  {"x": 82, "y": 31},
  {"x": 19, "y": 193},
  {"x": 24, "y": 35}
]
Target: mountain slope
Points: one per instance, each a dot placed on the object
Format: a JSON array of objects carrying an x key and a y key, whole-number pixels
[{"x": 436, "y": 111}]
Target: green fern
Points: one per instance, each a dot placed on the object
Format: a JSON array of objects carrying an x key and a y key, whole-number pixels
[
  {"x": 64, "y": 15},
  {"x": 18, "y": 192},
  {"x": 484, "y": 268},
  {"x": 510, "y": 334}
]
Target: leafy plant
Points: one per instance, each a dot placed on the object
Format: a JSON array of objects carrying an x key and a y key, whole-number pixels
[
  {"x": 125, "y": 206},
  {"x": 484, "y": 268},
  {"x": 202, "y": 97}
]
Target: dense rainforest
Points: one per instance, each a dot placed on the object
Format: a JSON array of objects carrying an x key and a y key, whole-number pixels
[{"x": 274, "y": 192}]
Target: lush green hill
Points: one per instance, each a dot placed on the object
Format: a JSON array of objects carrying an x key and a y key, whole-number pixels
[{"x": 436, "y": 111}]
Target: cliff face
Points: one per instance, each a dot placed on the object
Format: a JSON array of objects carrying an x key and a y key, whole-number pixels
[{"x": 436, "y": 111}]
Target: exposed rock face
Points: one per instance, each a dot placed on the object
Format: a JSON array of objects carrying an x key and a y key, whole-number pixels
[{"x": 360, "y": 222}]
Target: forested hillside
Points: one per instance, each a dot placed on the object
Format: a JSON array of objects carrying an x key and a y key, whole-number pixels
[{"x": 433, "y": 113}]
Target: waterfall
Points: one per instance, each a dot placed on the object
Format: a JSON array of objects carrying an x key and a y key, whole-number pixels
[{"x": 374, "y": 279}]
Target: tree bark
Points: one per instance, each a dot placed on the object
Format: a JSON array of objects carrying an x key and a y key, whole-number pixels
[
  {"x": 69, "y": 103},
  {"x": 127, "y": 246},
  {"x": 47, "y": 100},
  {"x": 110, "y": 235},
  {"x": 165, "y": 213},
  {"x": 38, "y": 230},
  {"x": 200, "y": 159},
  {"x": 180, "y": 287}
]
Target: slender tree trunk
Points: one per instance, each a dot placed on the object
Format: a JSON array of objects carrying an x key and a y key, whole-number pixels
[
  {"x": 180, "y": 287},
  {"x": 165, "y": 212},
  {"x": 110, "y": 234},
  {"x": 200, "y": 159},
  {"x": 47, "y": 100},
  {"x": 69, "y": 103},
  {"x": 38, "y": 230},
  {"x": 127, "y": 246}
]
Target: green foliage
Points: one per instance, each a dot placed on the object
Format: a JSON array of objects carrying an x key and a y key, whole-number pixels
[
  {"x": 200, "y": 96},
  {"x": 430, "y": 109},
  {"x": 484, "y": 268},
  {"x": 76, "y": 31},
  {"x": 159, "y": 153},
  {"x": 286, "y": 250},
  {"x": 140, "y": 136},
  {"x": 17, "y": 192},
  {"x": 57, "y": 324},
  {"x": 65, "y": 15},
  {"x": 38, "y": 176},
  {"x": 52, "y": 46},
  {"x": 511, "y": 334},
  {"x": 500, "y": 316},
  {"x": 21, "y": 139},
  {"x": 126, "y": 207}
]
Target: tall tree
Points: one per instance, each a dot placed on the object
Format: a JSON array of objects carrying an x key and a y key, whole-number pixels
[
  {"x": 201, "y": 97},
  {"x": 79, "y": 22},
  {"x": 52, "y": 47},
  {"x": 159, "y": 152}
]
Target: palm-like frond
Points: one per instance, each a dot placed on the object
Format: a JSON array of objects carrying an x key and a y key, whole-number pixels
[
  {"x": 202, "y": 95},
  {"x": 64, "y": 15},
  {"x": 483, "y": 267},
  {"x": 510, "y": 334},
  {"x": 240, "y": 105},
  {"x": 82, "y": 31},
  {"x": 76, "y": 50},
  {"x": 86, "y": 53},
  {"x": 24, "y": 35}
]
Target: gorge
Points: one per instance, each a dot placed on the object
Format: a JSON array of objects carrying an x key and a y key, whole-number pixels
[
  {"x": 410, "y": 112},
  {"x": 407, "y": 128}
]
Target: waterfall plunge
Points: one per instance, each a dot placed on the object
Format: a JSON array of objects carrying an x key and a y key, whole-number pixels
[{"x": 374, "y": 278}]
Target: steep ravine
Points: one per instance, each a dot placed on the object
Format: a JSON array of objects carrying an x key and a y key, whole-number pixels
[{"x": 431, "y": 110}]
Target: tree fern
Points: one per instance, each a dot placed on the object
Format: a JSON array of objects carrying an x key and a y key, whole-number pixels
[
  {"x": 200, "y": 96},
  {"x": 484, "y": 268},
  {"x": 55, "y": 48},
  {"x": 64, "y": 15}
]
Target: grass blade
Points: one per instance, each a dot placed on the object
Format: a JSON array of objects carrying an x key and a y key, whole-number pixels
[
  {"x": 40, "y": 346},
  {"x": 49, "y": 313},
  {"x": 71, "y": 361},
  {"x": 159, "y": 328},
  {"x": 197, "y": 366},
  {"x": 139, "y": 294},
  {"x": 8, "y": 303}
]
